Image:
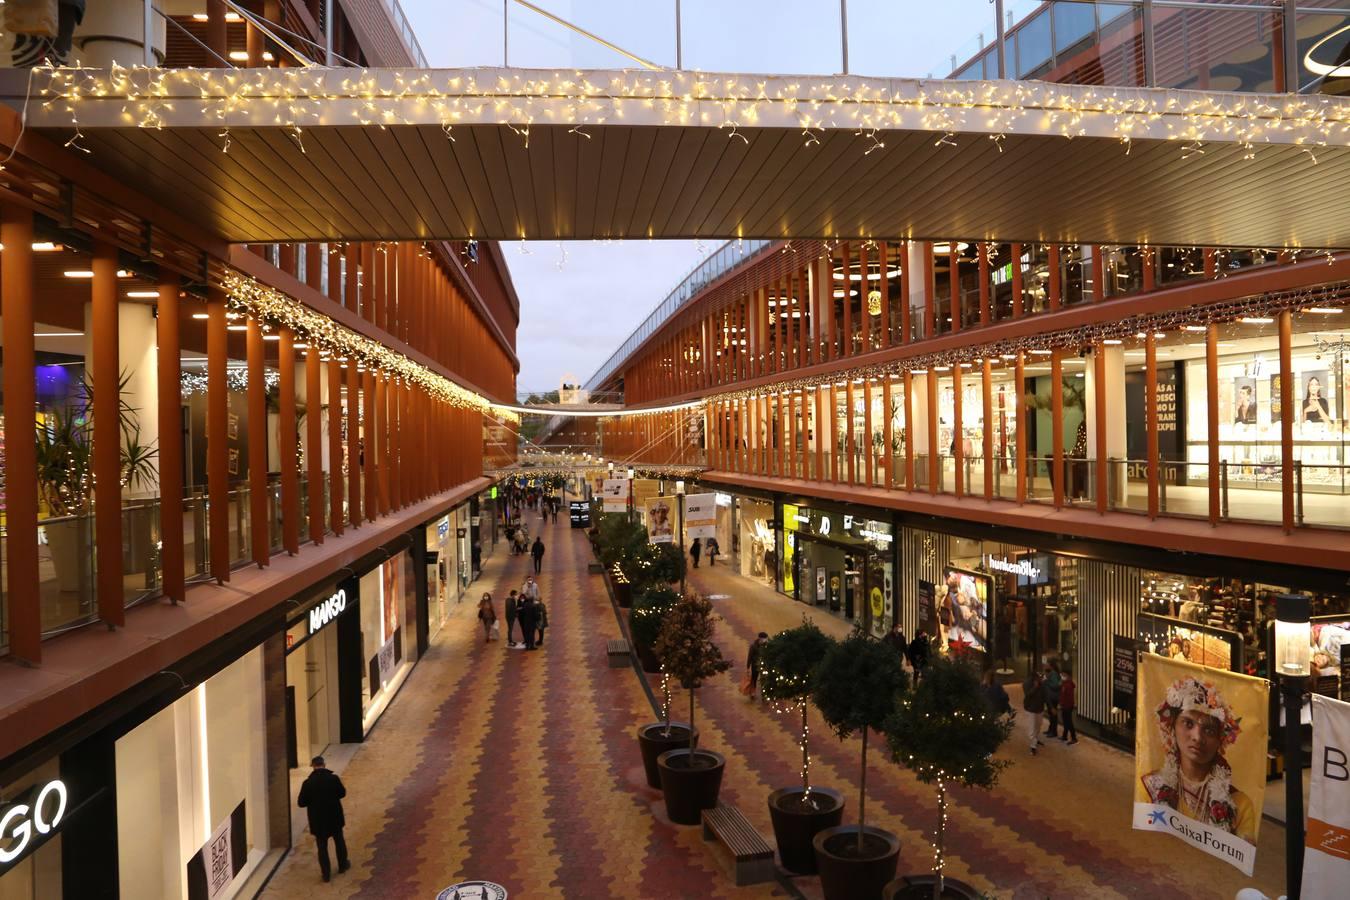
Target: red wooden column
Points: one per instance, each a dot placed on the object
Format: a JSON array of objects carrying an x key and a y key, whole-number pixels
[
  {"x": 831, "y": 413},
  {"x": 987, "y": 398},
  {"x": 1019, "y": 386},
  {"x": 1151, "y": 419},
  {"x": 353, "y": 443},
  {"x": 382, "y": 442},
  {"x": 1057, "y": 426},
  {"x": 827, "y": 304},
  {"x": 314, "y": 443},
  {"x": 23, "y": 605},
  {"x": 217, "y": 439},
  {"x": 334, "y": 264},
  {"x": 1212, "y": 418},
  {"x": 107, "y": 452},
  {"x": 1287, "y": 402},
  {"x": 782, "y": 430},
  {"x": 821, "y": 424},
  {"x": 846, "y": 348},
  {"x": 313, "y": 265},
  {"x": 379, "y": 293},
  {"x": 1098, "y": 275},
  {"x": 888, "y": 426},
  {"x": 1016, "y": 250},
  {"x": 870, "y": 464},
  {"x": 287, "y": 442},
  {"x": 1211, "y": 262},
  {"x": 885, "y": 287},
  {"x": 337, "y": 484},
  {"x": 286, "y": 258},
  {"x": 1150, "y": 272},
  {"x": 217, "y": 34},
  {"x": 1099, "y": 426},
  {"x": 170, "y": 403},
  {"x": 369, "y": 445},
  {"x": 958, "y": 432},
  {"x": 851, "y": 440},
  {"x": 395, "y": 443},
  {"x": 258, "y": 512},
  {"x": 367, "y": 255}
]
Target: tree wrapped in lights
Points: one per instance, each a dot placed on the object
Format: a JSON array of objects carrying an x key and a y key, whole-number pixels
[
  {"x": 687, "y": 650},
  {"x": 788, "y": 664},
  {"x": 855, "y": 688},
  {"x": 945, "y": 733}
]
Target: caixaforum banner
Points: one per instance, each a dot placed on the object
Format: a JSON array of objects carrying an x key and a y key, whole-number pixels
[{"x": 1200, "y": 757}]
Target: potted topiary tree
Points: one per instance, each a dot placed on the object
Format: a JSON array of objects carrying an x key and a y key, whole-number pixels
[
  {"x": 945, "y": 733},
  {"x": 644, "y": 626},
  {"x": 856, "y": 688},
  {"x": 788, "y": 664},
  {"x": 644, "y": 622},
  {"x": 690, "y": 778}
]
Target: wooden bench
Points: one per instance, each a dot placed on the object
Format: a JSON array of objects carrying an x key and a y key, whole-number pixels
[
  {"x": 751, "y": 854},
  {"x": 595, "y": 568},
  {"x": 619, "y": 654}
]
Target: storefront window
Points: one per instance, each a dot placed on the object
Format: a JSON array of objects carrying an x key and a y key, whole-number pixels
[
  {"x": 193, "y": 772},
  {"x": 842, "y": 562},
  {"x": 1180, "y": 264},
  {"x": 37, "y": 875},
  {"x": 1035, "y": 278},
  {"x": 757, "y": 545},
  {"x": 388, "y": 632},
  {"x": 1000, "y": 281},
  {"x": 1122, "y": 270}
]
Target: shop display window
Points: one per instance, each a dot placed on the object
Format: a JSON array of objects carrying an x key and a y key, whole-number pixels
[
  {"x": 37, "y": 875},
  {"x": 388, "y": 632}
]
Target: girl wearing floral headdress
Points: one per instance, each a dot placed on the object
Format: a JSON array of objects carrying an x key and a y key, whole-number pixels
[{"x": 1196, "y": 725}]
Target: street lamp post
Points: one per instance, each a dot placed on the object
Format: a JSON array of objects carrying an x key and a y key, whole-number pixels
[
  {"x": 1293, "y": 651},
  {"x": 679, "y": 505},
  {"x": 632, "y": 508}
]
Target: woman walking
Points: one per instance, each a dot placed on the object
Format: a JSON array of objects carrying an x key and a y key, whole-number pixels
[{"x": 487, "y": 615}]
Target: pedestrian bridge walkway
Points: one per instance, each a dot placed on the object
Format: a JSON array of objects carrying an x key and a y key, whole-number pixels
[{"x": 523, "y": 769}]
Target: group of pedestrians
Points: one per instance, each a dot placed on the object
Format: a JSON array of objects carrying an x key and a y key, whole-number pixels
[
  {"x": 525, "y": 607},
  {"x": 698, "y": 549},
  {"x": 914, "y": 652},
  {"x": 1050, "y": 696}
]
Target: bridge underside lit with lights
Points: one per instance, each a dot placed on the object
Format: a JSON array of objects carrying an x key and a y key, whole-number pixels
[{"x": 290, "y": 154}]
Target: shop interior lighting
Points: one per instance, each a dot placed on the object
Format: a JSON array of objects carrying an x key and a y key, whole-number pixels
[
  {"x": 46, "y": 247},
  {"x": 236, "y": 328},
  {"x": 1112, "y": 341},
  {"x": 229, "y": 17},
  {"x": 57, "y": 334},
  {"x": 142, "y": 295},
  {"x": 1325, "y": 310},
  {"x": 1196, "y": 328},
  {"x": 1256, "y": 320},
  {"x": 79, "y": 273},
  {"x": 200, "y": 316},
  {"x": 271, "y": 337}
]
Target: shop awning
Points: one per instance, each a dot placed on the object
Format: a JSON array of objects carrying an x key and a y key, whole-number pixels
[{"x": 508, "y": 154}]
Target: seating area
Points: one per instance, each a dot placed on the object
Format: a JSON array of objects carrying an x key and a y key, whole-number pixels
[{"x": 751, "y": 855}]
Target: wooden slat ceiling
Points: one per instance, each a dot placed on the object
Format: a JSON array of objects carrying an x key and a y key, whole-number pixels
[{"x": 556, "y": 168}]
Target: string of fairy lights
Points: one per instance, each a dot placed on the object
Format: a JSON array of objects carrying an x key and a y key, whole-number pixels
[
  {"x": 332, "y": 340},
  {"x": 291, "y": 98}
]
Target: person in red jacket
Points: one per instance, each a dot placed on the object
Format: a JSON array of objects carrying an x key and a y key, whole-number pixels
[{"x": 1068, "y": 699}]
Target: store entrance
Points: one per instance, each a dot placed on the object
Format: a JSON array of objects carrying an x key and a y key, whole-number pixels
[
  {"x": 850, "y": 582},
  {"x": 312, "y": 697}
]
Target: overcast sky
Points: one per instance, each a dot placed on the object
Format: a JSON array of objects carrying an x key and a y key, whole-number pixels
[{"x": 578, "y": 304}]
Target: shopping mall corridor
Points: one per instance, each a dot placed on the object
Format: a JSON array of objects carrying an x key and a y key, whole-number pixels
[{"x": 523, "y": 769}]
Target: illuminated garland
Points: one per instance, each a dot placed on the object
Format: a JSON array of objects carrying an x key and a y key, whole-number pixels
[
  {"x": 1132, "y": 328},
  {"x": 280, "y": 310},
  {"x": 292, "y": 98},
  {"x": 236, "y": 379}
]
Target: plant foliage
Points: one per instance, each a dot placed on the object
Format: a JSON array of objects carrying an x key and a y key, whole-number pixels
[
  {"x": 857, "y": 683},
  {"x": 789, "y": 659},
  {"x": 655, "y": 564},
  {"x": 619, "y": 539},
  {"x": 648, "y": 612},
  {"x": 685, "y": 642},
  {"x": 943, "y": 730}
]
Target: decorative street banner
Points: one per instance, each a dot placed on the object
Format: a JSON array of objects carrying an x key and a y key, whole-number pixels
[
  {"x": 615, "y": 492},
  {"x": 660, "y": 521},
  {"x": 1326, "y": 859},
  {"x": 1200, "y": 756},
  {"x": 700, "y": 516}
]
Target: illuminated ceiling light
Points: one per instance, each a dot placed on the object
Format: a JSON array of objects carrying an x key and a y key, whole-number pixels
[
  {"x": 1112, "y": 341},
  {"x": 1256, "y": 320},
  {"x": 300, "y": 346},
  {"x": 203, "y": 17},
  {"x": 46, "y": 247},
  {"x": 918, "y": 371},
  {"x": 236, "y": 328},
  {"x": 945, "y": 248},
  {"x": 271, "y": 337},
  {"x": 57, "y": 334},
  {"x": 79, "y": 273},
  {"x": 1193, "y": 328},
  {"x": 201, "y": 316},
  {"x": 1042, "y": 352},
  {"x": 142, "y": 295},
  {"x": 942, "y": 368},
  {"x": 239, "y": 55},
  {"x": 1007, "y": 356},
  {"x": 1325, "y": 310}
]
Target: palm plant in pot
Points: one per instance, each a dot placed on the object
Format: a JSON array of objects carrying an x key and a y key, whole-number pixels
[
  {"x": 945, "y": 733},
  {"x": 856, "y": 688},
  {"x": 788, "y": 663},
  {"x": 690, "y": 778}
]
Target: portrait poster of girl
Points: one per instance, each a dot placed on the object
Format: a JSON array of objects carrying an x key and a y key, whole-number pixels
[{"x": 1200, "y": 756}]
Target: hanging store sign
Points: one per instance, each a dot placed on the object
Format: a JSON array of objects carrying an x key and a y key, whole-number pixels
[
  {"x": 1326, "y": 860},
  {"x": 615, "y": 492},
  {"x": 700, "y": 516},
  {"x": 1022, "y": 567},
  {"x": 1124, "y": 671}
]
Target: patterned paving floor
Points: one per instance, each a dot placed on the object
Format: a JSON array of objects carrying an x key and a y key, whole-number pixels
[{"x": 523, "y": 768}]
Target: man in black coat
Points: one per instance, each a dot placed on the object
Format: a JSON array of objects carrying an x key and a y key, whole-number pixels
[
  {"x": 321, "y": 797},
  {"x": 528, "y": 613}
]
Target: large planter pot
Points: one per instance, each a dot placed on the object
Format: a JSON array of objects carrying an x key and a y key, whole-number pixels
[
  {"x": 796, "y": 824},
  {"x": 653, "y": 743},
  {"x": 844, "y": 875},
  {"x": 623, "y": 593},
  {"x": 647, "y": 656},
  {"x": 690, "y": 788},
  {"x": 69, "y": 542},
  {"x": 920, "y": 887}
]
